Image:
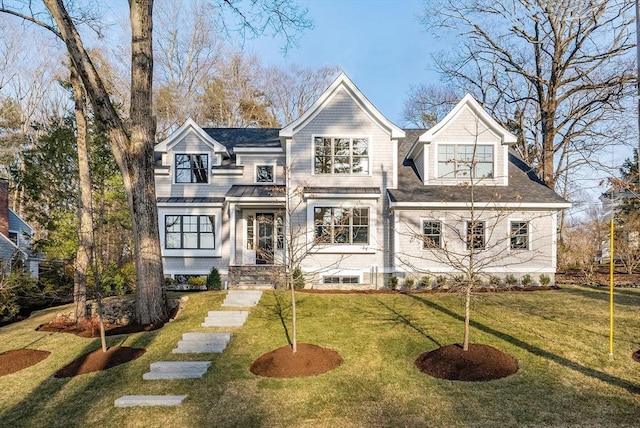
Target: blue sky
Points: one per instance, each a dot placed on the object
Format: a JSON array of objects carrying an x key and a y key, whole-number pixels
[{"x": 379, "y": 44}]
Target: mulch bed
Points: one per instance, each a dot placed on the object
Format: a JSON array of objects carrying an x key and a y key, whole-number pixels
[
  {"x": 97, "y": 360},
  {"x": 18, "y": 359},
  {"x": 479, "y": 363},
  {"x": 91, "y": 328},
  {"x": 308, "y": 360}
]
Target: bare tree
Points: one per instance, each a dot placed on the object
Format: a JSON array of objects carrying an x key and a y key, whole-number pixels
[
  {"x": 558, "y": 73},
  {"x": 292, "y": 90},
  {"x": 428, "y": 104}
]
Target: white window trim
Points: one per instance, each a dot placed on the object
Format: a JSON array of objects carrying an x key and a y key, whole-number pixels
[
  {"x": 434, "y": 178},
  {"x": 442, "y": 228},
  {"x": 341, "y": 273},
  {"x": 191, "y": 252},
  {"x": 351, "y": 136},
  {"x": 210, "y": 158},
  {"x": 369, "y": 248},
  {"x": 274, "y": 166},
  {"x": 521, "y": 220}
]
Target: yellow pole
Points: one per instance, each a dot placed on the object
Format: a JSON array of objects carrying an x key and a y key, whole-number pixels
[{"x": 611, "y": 264}]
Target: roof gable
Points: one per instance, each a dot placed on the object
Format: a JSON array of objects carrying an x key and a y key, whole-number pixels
[
  {"x": 467, "y": 103},
  {"x": 190, "y": 126},
  {"x": 342, "y": 83}
]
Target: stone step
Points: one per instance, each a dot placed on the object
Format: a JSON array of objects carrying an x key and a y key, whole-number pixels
[
  {"x": 172, "y": 366},
  {"x": 199, "y": 348},
  {"x": 225, "y": 319},
  {"x": 149, "y": 400},
  {"x": 177, "y": 370},
  {"x": 207, "y": 337}
]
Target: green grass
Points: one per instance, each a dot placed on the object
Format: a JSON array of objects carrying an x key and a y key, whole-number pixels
[{"x": 560, "y": 339}]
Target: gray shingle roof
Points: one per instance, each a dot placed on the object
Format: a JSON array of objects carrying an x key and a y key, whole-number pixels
[
  {"x": 233, "y": 138},
  {"x": 524, "y": 186}
]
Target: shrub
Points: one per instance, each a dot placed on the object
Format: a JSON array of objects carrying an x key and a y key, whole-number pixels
[
  {"x": 298, "y": 279},
  {"x": 526, "y": 280},
  {"x": 511, "y": 280},
  {"x": 197, "y": 281},
  {"x": 392, "y": 282},
  {"x": 425, "y": 282},
  {"x": 458, "y": 280},
  {"x": 409, "y": 283},
  {"x": 213, "y": 280},
  {"x": 494, "y": 281},
  {"x": 545, "y": 280},
  {"x": 168, "y": 281},
  {"x": 441, "y": 281}
]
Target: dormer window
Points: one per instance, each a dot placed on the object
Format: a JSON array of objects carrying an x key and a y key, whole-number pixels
[
  {"x": 341, "y": 155},
  {"x": 456, "y": 161},
  {"x": 192, "y": 168}
]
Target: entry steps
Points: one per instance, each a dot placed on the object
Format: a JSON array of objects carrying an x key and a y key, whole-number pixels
[
  {"x": 202, "y": 343},
  {"x": 225, "y": 319},
  {"x": 149, "y": 400},
  {"x": 242, "y": 298},
  {"x": 177, "y": 370}
]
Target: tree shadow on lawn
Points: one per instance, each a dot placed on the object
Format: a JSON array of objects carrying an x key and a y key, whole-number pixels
[
  {"x": 621, "y": 296},
  {"x": 587, "y": 371},
  {"x": 32, "y": 410},
  {"x": 405, "y": 319}
]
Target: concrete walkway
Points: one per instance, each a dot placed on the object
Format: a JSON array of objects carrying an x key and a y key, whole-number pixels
[{"x": 195, "y": 343}]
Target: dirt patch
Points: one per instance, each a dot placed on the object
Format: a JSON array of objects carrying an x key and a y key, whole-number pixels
[
  {"x": 90, "y": 327},
  {"x": 97, "y": 360},
  {"x": 308, "y": 360},
  {"x": 479, "y": 363},
  {"x": 598, "y": 277},
  {"x": 18, "y": 359}
]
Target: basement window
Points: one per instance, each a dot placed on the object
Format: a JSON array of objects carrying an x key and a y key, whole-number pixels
[{"x": 341, "y": 280}]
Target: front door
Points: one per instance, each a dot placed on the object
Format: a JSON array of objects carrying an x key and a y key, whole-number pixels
[{"x": 264, "y": 245}]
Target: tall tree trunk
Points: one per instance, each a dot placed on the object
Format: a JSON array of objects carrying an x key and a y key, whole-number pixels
[
  {"x": 84, "y": 254},
  {"x": 132, "y": 148}
]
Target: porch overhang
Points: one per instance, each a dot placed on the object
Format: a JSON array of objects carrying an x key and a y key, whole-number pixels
[
  {"x": 256, "y": 194},
  {"x": 341, "y": 192}
]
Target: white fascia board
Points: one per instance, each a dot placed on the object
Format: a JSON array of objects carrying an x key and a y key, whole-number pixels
[
  {"x": 468, "y": 100},
  {"x": 190, "y": 204},
  {"x": 510, "y": 205},
  {"x": 342, "y": 81},
  {"x": 258, "y": 150},
  {"x": 190, "y": 126},
  {"x": 240, "y": 200},
  {"x": 352, "y": 196}
]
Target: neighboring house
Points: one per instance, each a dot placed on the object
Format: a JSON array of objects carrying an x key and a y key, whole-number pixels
[
  {"x": 15, "y": 237},
  {"x": 368, "y": 196}
]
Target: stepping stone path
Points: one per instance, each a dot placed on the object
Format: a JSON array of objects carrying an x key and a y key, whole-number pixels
[
  {"x": 202, "y": 343},
  {"x": 149, "y": 400},
  {"x": 177, "y": 370},
  {"x": 195, "y": 343},
  {"x": 225, "y": 319}
]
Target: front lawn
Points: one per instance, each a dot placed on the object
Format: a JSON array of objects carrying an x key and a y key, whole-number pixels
[{"x": 560, "y": 339}]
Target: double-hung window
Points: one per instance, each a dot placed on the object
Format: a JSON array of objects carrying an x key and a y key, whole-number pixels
[
  {"x": 457, "y": 161},
  {"x": 519, "y": 234},
  {"x": 334, "y": 225},
  {"x": 190, "y": 231},
  {"x": 475, "y": 235},
  {"x": 431, "y": 234},
  {"x": 341, "y": 155},
  {"x": 192, "y": 168}
]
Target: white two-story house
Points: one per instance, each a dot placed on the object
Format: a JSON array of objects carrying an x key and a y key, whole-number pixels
[{"x": 359, "y": 198}]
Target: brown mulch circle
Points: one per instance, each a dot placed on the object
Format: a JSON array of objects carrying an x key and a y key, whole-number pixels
[
  {"x": 308, "y": 360},
  {"x": 636, "y": 356},
  {"x": 90, "y": 328},
  {"x": 18, "y": 359},
  {"x": 97, "y": 360},
  {"x": 479, "y": 363}
]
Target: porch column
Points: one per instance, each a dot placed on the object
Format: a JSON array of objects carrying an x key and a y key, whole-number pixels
[{"x": 232, "y": 233}]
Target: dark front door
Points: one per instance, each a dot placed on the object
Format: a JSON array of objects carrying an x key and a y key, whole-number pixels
[{"x": 264, "y": 250}]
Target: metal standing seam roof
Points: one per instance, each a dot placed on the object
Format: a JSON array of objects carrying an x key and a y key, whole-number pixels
[
  {"x": 256, "y": 191},
  {"x": 179, "y": 199},
  {"x": 343, "y": 190}
]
